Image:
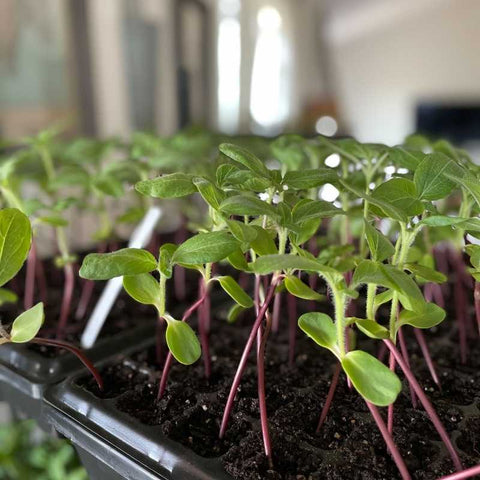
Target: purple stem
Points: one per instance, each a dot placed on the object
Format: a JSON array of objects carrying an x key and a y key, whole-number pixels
[
  {"x": 397, "y": 458},
  {"x": 390, "y": 407},
  {"x": 277, "y": 303},
  {"x": 41, "y": 281},
  {"x": 67, "y": 299},
  {"x": 426, "y": 404},
  {"x": 382, "y": 351},
  {"x": 426, "y": 353},
  {"x": 468, "y": 473},
  {"x": 30, "y": 277},
  {"x": 243, "y": 361},
  {"x": 330, "y": 395},
  {"x": 292, "y": 328},
  {"x": 203, "y": 329},
  {"x": 261, "y": 342},
  {"x": 76, "y": 351},
  {"x": 406, "y": 357},
  {"x": 168, "y": 361},
  {"x": 476, "y": 296}
]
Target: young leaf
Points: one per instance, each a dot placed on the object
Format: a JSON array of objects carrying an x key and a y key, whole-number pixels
[
  {"x": 210, "y": 193},
  {"x": 242, "y": 232},
  {"x": 307, "y": 209},
  {"x": 400, "y": 193},
  {"x": 238, "y": 261},
  {"x": 7, "y": 296},
  {"x": 205, "y": 248},
  {"x": 433, "y": 176},
  {"x": 305, "y": 179},
  {"x": 234, "y": 312},
  {"x": 247, "y": 159},
  {"x": 165, "y": 263},
  {"x": 263, "y": 243},
  {"x": 15, "y": 240},
  {"x": 371, "y": 378},
  {"x": 427, "y": 317},
  {"x": 173, "y": 185},
  {"x": 182, "y": 342},
  {"x": 320, "y": 328},
  {"x": 371, "y": 328},
  {"x": 297, "y": 288},
  {"x": 235, "y": 291},
  {"x": 143, "y": 288},
  {"x": 425, "y": 273},
  {"x": 246, "y": 205},
  {"x": 53, "y": 220},
  {"x": 379, "y": 245},
  {"x": 27, "y": 324},
  {"x": 127, "y": 261}
]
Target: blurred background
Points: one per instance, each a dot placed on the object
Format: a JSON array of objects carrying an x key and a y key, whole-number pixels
[{"x": 374, "y": 69}]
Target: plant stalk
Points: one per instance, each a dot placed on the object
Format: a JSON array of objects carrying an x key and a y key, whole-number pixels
[
  {"x": 66, "y": 300},
  {"x": 468, "y": 473},
  {"x": 330, "y": 395},
  {"x": 30, "y": 278},
  {"x": 426, "y": 354}
]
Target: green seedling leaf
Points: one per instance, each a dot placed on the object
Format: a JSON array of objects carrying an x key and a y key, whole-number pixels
[
  {"x": 371, "y": 328},
  {"x": 471, "y": 225},
  {"x": 379, "y": 245},
  {"x": 433, "y": 177},
  {"x": 401, "y": 194},
  {"x": 382, "y": 298},
  {"x": 425, "y": 273},
  {"x": 54, "y": 221},
  {"x": 235, "y": 291},
  {"x": 305, "y": 179},
  {"x": 402, "y": 157},
  {"x": 263, "y": 243},
  {"x": 165, "y": 263},
  {"x": 244, "y": 157},
  {"x": 127, "y": 261},
  {"x": 210, "y": 193},
  {"x": 173, "y": 185},
  {"x": 143, "y": 288},
  {"x": 15, "y": 240},
  {"x": 427, "y": 317},
  {"x": 247, "y": 205},
  {"x": 7, "y": 296},
  {"x": 320, "y": 328},
  {"x": 371, "y": 378},
  {"x": 205, "y": 248},
  {"x": 305, "y": 230},
  {"x": 273, "y": 263},
  {"x": 109, "y": 185},
  {"x": 26, "y": 325},
  {"x": 182, "y": 342},
  {"x": 390, "y": 276},
  {"x": 473, "y": 251},
  {"x": 224, "y": 173},
  {"x": 297, "y": 288},
  {"x": 307, "y": 209},
  {"x": 238, "y": 261},
  {"x": 242, "y": 232},
  {"x": 234, "y": 312}
]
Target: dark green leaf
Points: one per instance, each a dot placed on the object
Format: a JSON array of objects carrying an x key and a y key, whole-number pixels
[
  {"x": 401, "y": 194},
  {"x": 305, "y": 179},
  {"x": 263, "y": 244},
  {"x": 425, "y": 273},
  {"x": 246, "y": 205},
  {"x": 165, "y": 263},
  {"x": 210, "y": 193},
  {"x": 247, "y": 159},
  {"x": 242, "y": 232},
  {"x": 307, "y": 209},
  {"x": 380, "y": 246},
  {"x": 168, "y": 186}
]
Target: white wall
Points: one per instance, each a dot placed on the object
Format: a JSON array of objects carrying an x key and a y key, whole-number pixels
[{"x": 389, "y": 55}]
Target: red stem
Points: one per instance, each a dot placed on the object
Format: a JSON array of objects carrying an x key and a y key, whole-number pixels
[
  {"x": 403, "y": 349},
  {"x": 426, "y": 404},
  {"x": 292, "y": 328},
  {"x": 168, "y": 361},
  {"x": 468, "y": 473},
  {"x": 30, "y": 277},
  {"x": 203, "y": 327},
  {"x": 261, "y": 342},
  {"x": 277, "y": 303},
  {"x": 243, "y": 361},
  {"x": 41, "y": 281},
  {"x": 390, "y": 407},
  {"x": 476, "y": 296},
  {"x": 76, "y": 351},
  {"x": 67, "y": 299},
  {"x": 426, "y": 353},
  {"x": 330, "y": 395},
  {"x": 397, "y": 458}
]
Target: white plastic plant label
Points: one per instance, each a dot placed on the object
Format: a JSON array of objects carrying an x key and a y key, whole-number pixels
[{"x": 139, "y": 239}]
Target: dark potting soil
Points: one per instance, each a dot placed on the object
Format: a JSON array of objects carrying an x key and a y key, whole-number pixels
[{"x": 349, "y": 445}]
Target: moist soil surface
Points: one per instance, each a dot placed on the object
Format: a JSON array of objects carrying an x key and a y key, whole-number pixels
[{"x": 348, "y": 446}]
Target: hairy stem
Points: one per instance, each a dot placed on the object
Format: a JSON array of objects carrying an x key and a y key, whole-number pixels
[
  {"x": 76, "y": 351},
  {"x": 426, "y": 404},
  {"x": 277, "y": 303},
  {"x": 243, "y": 361}
]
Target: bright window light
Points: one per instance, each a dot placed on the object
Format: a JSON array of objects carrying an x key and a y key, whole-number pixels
[
  {"x": 333, "y": 160},
  {"x": 326, "y": 126},
  {"x": 329, "y": 193}
]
